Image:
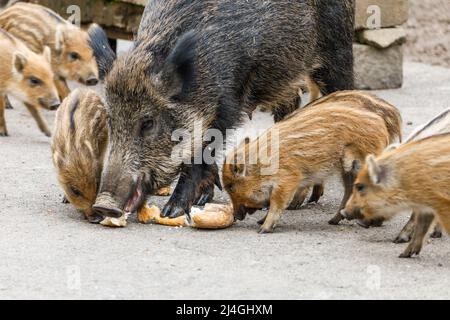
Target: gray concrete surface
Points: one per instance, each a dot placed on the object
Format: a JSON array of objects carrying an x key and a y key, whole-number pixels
[{"x": 47, "y": 250}]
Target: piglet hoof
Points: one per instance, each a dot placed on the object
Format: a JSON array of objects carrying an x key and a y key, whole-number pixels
[
  {"x": 402, "y": 238},
  {"x": 95, "y": 218},
  {"x": 262, "y": 220},
  {"x": 437, "y": 234},
  {"x": 47, "y": 133},
  {"x": 296, "y": 204},
  {"x": 317, "y": 193},
  {"x": 3, "y": 134},
  {"x": 265, "y": 230},
  {"x": 410, "y": 251},
  {"x": 376, "y": 223},
  {"x": 64, "y": 200},
  {"x": 336, "y": 219}
]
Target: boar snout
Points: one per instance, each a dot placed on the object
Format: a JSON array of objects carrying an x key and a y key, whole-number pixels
[{"x": 106, "y": 206}]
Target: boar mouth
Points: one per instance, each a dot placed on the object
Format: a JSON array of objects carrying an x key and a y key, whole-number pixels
[{"x": 137, "y": 198}]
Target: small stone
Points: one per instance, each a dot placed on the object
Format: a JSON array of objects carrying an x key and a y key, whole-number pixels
[{"x": 382, "y": 38}]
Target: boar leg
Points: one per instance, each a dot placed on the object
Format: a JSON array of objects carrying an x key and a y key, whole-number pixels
[
  {"x": 279, "y": 200},
  {"x": 195, "y": 186},
  {"x": 423, "y": 222},
  {"x": 62, "y": 88},
  {"x": 348, "y": 179},
  {"x": 42, "y": 124},
  {"x": 3, "y": 130},
  {"x": 8, "y": 104},
  {"x": 407, "y": 231},
  {"x": 317, "y": 193}
]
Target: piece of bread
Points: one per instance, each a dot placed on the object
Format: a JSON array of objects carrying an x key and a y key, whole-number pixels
[
  {"x": 115, "y": 222},
  {"x": 213, "y": 216},
  {"x": 153, "y": 215}
]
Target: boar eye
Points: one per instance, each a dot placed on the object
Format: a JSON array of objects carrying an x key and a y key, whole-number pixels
[
  {"x": 75, "y": 191},
  {"x": 74, "y": 56},
  {"x": 360, "y": 187},
  {"x": 147, "y": 125},
  {"x": 34, "y": 81}
]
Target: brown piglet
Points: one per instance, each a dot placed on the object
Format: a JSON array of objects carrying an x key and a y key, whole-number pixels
[
  {"x": 304, "y": 150},
  {"x": 78, "y": 147},
  {"x": 414, "y": 177}
]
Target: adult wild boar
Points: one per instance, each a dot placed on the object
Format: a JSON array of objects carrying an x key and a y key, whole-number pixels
[{"x": 211, "y": 61}]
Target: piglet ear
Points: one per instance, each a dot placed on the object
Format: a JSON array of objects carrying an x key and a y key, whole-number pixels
[
  {"x": 59, "y": 39},
  {"x": 48, "y": 54},
  {"x": 377, "y": 173},
  {"x": 178, "y": 73},
  {"x": 19, "y": 63}
]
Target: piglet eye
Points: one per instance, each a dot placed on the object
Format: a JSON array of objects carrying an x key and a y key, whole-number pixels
[
  {"x": 74, "y": 56},
  {"x": 75, "y": 191},
  {"x": 360, "y": 187},
  {"x": 34, "y": 81}
]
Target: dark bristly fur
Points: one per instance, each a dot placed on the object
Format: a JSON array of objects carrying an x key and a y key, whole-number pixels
[
  {"x": 103, "y": 53},
  {"x": 236, "y": 55}
]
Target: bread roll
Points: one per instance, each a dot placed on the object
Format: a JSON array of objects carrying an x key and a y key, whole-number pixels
[{"x": 213, "y": 216}]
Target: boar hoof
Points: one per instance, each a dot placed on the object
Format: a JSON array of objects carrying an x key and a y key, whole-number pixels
[
  {"x": 205, "y": 198},
  {"x": 64, "y": 200},
  {"x": 47, "y": 133},
  {"x": 172, "y": 211},
  {"x": 3, "y": 134}
]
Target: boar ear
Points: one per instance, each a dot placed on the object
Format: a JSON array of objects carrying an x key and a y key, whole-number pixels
[
  {"x": 59, "y": 39},
  {"x": 377, "y": 173},
  {"x": 177, "y": 74},
  {"x": 19, "y": 63},
  {"x": 48, "y": 54}
]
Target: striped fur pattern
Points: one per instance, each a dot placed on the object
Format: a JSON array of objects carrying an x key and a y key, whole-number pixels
[
  {"x": 332, "y": 136},
  {"x": 26, "y": 76},
  {"x": 78, "y": 147},
  {"x": 414, "y": 177},
  {"x": 38, "y": 26}
]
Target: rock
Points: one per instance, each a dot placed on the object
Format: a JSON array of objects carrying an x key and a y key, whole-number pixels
[
  {"x": 382, "y": 38},
  {"x": 391, "y": 13},
  {"x": 377, "y": 69}
]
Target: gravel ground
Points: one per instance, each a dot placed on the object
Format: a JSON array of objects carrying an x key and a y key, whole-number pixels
[
  {"x": 47, "y": 250},
  {"x": 429, "y": 32}
]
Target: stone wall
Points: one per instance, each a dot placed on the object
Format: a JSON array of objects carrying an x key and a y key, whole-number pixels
[
  {"x": 379, "y": 39},
  {"x": 378, "y": 35}
]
